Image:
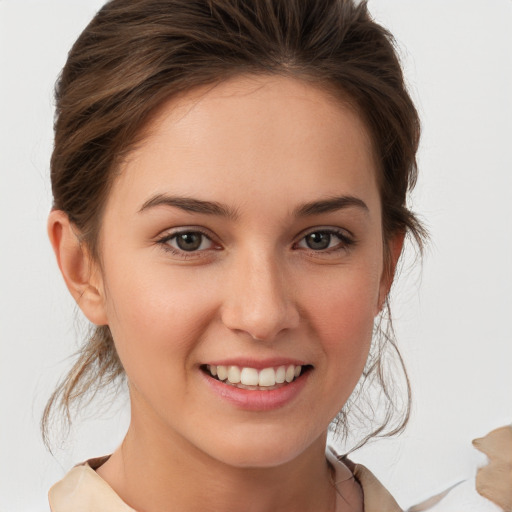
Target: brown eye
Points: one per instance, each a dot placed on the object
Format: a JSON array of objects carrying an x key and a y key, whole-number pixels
[{"x": 189, "y": 241}]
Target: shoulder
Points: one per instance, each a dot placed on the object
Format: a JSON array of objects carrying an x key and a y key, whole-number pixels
[{"x": 83, "y": 490}]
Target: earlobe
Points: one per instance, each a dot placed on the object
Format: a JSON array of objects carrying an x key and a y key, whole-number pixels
[
  {"x": 80, "y": 273},
  {"x": 394, "y": 249}
]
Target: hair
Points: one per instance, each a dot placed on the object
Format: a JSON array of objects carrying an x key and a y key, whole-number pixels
[{"x": 135, "y": 55}]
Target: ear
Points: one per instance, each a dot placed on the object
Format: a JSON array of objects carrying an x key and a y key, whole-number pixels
[
  {"x": 80, "y": 272},
  {"x": 393, "y": 250}
]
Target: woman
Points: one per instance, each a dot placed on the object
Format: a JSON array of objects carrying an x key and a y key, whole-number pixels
[{"x": 229, "y": 185}]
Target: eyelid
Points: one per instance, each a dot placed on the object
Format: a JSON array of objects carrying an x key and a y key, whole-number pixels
[
  {"x": 171, "y": 232},
  {"x": 341, "y": 232}
]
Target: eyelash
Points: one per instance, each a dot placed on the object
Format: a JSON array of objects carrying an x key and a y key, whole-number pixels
[{"x": 346, "y": 241}]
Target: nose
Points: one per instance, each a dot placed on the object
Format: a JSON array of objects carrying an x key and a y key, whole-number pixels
[{"x": 259, "y": 298}]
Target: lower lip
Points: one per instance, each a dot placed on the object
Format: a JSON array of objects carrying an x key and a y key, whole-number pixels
[{"x": 254, "y": 400}]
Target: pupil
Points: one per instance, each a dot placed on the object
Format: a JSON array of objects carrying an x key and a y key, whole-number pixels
[
  {"x": 189, "y": 241},
  {"x": 318, "y": 241}
]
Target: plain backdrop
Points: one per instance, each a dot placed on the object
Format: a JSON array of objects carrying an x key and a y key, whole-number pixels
[{"x": 452, "y": 319}]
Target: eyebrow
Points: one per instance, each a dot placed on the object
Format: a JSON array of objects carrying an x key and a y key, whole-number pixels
[
  {"x": 188, "y": 204},
  {"x": 331, "y": 204}
]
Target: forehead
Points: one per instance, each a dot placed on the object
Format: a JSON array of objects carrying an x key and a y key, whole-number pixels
[{"x": 269, "y": 134}]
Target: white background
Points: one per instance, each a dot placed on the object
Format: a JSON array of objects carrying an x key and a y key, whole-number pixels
[{"x": 453, "y": 319}]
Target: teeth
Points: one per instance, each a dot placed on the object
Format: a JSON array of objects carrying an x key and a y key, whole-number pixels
[
  {"x": 234, "y": 374},
  {"x": 222, "y": 372},
  {"x": 249, "y": 377},
  {"x": 265, "y": 378}
]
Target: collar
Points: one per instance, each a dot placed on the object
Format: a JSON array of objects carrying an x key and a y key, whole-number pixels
[{"x": 375, "y": 497}]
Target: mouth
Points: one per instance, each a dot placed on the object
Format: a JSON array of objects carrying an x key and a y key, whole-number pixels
[{"x": 264, "y": 379}]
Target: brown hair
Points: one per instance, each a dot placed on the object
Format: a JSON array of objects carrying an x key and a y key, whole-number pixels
[{"x": 136, "y": 54}]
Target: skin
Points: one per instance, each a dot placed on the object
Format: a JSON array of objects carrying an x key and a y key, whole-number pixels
[{"x": 263, "y": 147}]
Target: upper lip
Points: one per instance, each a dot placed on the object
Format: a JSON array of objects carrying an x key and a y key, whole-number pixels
[{"x": 258, "y": 364}]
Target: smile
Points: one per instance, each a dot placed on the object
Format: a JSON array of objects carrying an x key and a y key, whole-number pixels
[{"x": 253, "y": 379}]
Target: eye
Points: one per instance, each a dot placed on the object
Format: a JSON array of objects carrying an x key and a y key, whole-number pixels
[
  {"x": 186, "y": 241},
  {"x": 325, "y": 240}
]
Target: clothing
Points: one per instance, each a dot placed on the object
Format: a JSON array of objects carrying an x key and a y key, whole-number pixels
[
  {"x": 83, "y": 490},
  {"x": 375, "y": 497}
]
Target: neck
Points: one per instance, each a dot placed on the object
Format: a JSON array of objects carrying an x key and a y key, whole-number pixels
[{"x": 153, "y": 472}]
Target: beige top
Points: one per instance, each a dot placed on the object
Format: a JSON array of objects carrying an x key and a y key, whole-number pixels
[{"x": 83, "y": 490}]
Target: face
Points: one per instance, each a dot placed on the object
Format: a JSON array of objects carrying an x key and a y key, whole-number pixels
[{"x": 243, "y": 237}]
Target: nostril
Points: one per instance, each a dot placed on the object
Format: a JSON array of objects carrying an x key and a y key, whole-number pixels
[
  {"x": 258, "y": 299},
  {"x": 258, "y": 324}
]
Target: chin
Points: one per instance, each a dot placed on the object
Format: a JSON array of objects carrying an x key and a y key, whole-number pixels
[
  {"x": 264, "y": 449},
  {"x": 257, "y": 458}
]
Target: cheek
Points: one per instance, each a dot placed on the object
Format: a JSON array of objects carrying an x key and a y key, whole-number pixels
[
  {"x": 341, "y": 310},
  {"x": 154, "y": 315}
]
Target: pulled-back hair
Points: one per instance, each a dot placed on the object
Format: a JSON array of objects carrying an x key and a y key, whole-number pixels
[{"x": 136, "y": 54}]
